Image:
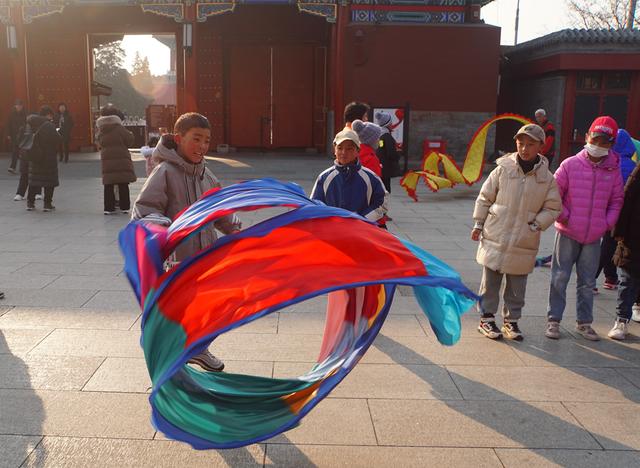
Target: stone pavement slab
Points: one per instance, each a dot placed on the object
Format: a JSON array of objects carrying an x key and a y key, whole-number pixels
[
  {"x": 615, "y": 425},
  {"x": 14, "y": 449},
  {"x": 21, "y": 341},
  {"x": 70, "y": 413},
  {"x": 116, "y": 453},
  {"x": 515, "y": 458},
  {"x": 365, "y": 457},
  {"x": 105, "y": 343},
  {"x": 50, "y": 318},
  {"x": 46, "y": 372},
  {"x": 469, "y": 424},
  {"x": 29, "y": 297}
]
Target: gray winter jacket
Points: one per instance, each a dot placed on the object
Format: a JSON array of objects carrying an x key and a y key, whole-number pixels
[{"x": 174, "y": 185}]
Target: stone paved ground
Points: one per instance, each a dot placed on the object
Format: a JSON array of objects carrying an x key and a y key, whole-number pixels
[{"x": 73, "y": 385}]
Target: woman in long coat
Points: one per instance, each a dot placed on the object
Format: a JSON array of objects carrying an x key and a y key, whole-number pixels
[
  {"x": 117, "y": 168},
  {"x": 43, "y": 158}
]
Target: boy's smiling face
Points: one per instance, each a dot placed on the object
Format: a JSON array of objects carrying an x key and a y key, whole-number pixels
[
  {"x": 346, "y": 152},
  {"x": 194, "y": 144}
]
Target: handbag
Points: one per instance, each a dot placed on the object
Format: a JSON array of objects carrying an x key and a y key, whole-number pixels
[{"x": 622, "y": 255}]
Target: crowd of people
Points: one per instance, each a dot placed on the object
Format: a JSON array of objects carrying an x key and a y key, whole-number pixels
[{"x": 586, "y": 198}]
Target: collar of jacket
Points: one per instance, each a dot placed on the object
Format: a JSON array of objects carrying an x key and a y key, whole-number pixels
[
  {"x": 162, "y": 153},
  {"x": 611, "y": 161},
  {"x": 346, "y": 168},
  {"x": 510, "y": 163}
]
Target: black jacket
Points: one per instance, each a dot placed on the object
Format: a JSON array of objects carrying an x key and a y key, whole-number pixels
[
  {"x": 43, "y": 155},
  {"x": 628, "y": 226},
  {"x": 388, "y": 155},
  {"x": 15, "y": 123},
  {"x": 64, "y": 123}
]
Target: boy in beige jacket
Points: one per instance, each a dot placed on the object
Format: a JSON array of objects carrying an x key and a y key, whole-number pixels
[{"x": 518, "y": 201}]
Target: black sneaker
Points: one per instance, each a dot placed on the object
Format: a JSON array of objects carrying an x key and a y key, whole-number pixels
[
  {"x": 489, "y": 329},
  {"x": 512, "y": 331},
  {"x": 207, "y": 361},
  {"x": 48, "y": 208},
  {"x": 31, "y": 206}
]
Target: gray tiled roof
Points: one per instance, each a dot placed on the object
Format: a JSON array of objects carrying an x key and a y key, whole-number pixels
[{"x": 584, "y": 37}]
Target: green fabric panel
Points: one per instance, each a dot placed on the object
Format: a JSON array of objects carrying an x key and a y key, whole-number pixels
[
  {"x": 163, "y": 342},
  {"x": 242, "y": 408}
]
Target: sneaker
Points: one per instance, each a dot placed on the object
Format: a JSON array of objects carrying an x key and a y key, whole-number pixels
[
  {"x": 38, "y": 197},
  {"x": 109, "y": 212},
  {"x": 553, "y": 330},
  {"x": 124, "y": 211},
  {"x": 1, "y": 295},
  {"x": 31, "y": 207},
  {"x": 512, "y": 331},
  {"x": 489, "y": 329},
  {"x": 595, "y": 291},
  {"x": 619, "y": 330},
  {"x": 587, "y": 332},
  {"x": 18, "y": 197},
  {"x": 49, "y": 208},
  {"x": 11, "y": 170},
  {"x": 636, "y": 312},
  {"x": 610, "y": 285},
  {"x": 207, "y": 361}
]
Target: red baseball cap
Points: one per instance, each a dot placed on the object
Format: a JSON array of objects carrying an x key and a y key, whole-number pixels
[{"x": 604, "y": 126}]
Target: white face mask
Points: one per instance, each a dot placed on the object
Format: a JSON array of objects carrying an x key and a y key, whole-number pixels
[{"x": 596, "y": 151}]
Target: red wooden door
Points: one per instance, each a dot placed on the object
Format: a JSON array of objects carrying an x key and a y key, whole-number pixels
[
  {"x": 249, "y": 96},
  {"x": 292, "y": 103}
]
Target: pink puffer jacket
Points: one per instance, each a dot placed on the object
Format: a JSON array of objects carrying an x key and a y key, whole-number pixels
[{"x": 592, "y": 196}]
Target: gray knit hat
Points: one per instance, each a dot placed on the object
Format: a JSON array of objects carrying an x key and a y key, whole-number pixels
[
  {"x": 382, "y": 118},
  {"x": 369, "y": 133}
]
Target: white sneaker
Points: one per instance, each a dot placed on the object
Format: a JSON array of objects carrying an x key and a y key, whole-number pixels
[
  {"x": 38, "y": 197},
  {"x": 18, "y": 197},
  {"x": 619, "y": 330},
  {"x": 636, "y": 312}
]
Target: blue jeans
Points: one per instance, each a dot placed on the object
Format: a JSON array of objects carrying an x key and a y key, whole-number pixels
[
  {"x": 627, "y": 294},
  {"x": 586, "y": 257}
]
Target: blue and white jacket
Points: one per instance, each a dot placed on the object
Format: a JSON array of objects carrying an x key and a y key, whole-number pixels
[{"x": 354, "y": 188}]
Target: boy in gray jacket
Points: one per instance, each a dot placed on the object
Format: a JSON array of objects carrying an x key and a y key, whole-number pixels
[{"x": 178, "y": 180}]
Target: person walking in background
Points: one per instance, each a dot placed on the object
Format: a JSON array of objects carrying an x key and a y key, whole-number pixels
[
  {"x": 516, "y": 203},
  {"x": 590, "y": 184},
  {"x": 64, "y": 124},
  {"x": 117, "y": 167},
  {"x": 15, "y": 124},
  {"x": 355, "y": 111},
  {"x": 43, "y": 158},
  {"x": 387, "y": 151},
  {"x": 625, "y": 148},
  {"x": 548, "y": 149},
  {"x": 147, "y": 153},
  {"x": 627, "y": 256}
]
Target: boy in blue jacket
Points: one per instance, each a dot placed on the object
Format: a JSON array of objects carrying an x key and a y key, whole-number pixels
[{"x": 349, "y": 185}]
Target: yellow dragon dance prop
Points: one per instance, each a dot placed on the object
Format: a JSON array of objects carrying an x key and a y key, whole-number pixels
[{"x": 471, "y": 170}]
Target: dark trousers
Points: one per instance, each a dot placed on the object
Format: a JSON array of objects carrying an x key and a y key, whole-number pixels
[
  {"x": 110, "y": 197},
  {"x": 33, "y": 191},
  {"x": 387, "y": 183},
  {"x": 14, "y": 153},
  {"x": 607, "y": 249},
  {"x": 628, "y": 294},
  {"x": 63, "y": 150},
  {"x": 23, "y": 183}
]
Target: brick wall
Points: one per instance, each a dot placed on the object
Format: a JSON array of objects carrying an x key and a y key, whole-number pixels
[{"x": 457, "y": 128}]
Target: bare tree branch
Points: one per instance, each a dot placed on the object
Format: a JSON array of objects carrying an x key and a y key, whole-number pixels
[{"x": 610, "y": 14}]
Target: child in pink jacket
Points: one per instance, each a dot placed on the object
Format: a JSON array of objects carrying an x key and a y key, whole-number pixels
[{"x": 590, "y": 185}]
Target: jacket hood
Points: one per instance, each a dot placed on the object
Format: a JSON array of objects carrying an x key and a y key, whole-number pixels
[
  {"x": 612, "y": 160},
  {"x": 166, "y": 150},
  {"x": 108, "y": 120},
  {"x": 624, "y": 144},
  {"x": 35, "y": 121}
]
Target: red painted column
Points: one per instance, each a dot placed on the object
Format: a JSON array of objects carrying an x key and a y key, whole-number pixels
[
  {"x": 19, "y": 59},
  {"x": 339, "y": 45},
  {"x": 190, "y": 65}
]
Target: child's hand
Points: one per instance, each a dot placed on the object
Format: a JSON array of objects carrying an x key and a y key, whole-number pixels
[{"x": 475, "y": 234}]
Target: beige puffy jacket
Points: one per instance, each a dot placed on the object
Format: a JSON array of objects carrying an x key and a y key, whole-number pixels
[
  {"x": 508, "y": 203},
  {"x": 173, "y": 185}
]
